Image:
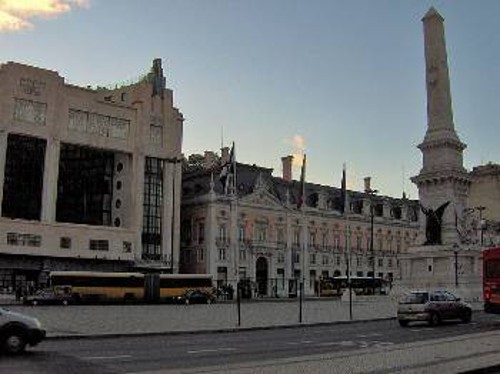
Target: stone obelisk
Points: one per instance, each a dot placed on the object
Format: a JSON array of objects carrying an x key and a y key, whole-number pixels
[
  {"x": 442, "y": 182},
  {"x": 442, "y": 177}
]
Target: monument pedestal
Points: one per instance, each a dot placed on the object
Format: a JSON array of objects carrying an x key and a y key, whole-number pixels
[{"x": 449, "y": 267}]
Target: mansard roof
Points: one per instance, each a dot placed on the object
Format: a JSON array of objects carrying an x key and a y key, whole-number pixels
[{"x": 250, "y": 178}]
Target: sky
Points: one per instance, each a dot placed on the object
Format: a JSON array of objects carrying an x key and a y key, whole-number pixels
[{"x": 342, "y": 81}]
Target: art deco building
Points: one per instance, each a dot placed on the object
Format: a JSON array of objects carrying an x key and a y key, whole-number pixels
[
  {"x": 89, "y": 178},
  {"x": 259, "y": 233}
]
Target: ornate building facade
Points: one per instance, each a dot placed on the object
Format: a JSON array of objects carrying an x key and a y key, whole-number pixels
[
  {"x": 259, "y": 234},
  {"x": 90, "y": 179}
]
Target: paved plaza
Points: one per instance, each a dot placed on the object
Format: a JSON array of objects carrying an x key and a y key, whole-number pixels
[
  {"x": 78, "y": 320},
  {"x": 81, "y": 320}
]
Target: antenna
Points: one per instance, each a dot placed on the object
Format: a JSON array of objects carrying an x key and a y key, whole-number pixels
[
  {"x": 221, "y": 136},
  {"x": 403, "y": 177}
]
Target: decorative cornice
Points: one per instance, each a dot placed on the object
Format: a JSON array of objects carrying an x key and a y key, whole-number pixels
[
  {"x": 442, "y": 176},
  {"x": 440, "y": 143}
]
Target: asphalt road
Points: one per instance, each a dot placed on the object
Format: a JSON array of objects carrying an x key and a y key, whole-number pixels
[{"x": 188, "y": 351}]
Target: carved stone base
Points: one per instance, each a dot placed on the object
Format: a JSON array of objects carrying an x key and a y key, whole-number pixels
[{"x": 454, "y": 268}]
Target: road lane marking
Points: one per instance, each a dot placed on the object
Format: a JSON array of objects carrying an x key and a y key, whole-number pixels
[
  {"x": 368, "y": 335},
  {"x": 211, "y": 350},
  {"x": 106, "y": 357}
]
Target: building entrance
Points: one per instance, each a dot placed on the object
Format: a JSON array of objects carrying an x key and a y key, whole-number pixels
[{"x": 261, "y": 276}]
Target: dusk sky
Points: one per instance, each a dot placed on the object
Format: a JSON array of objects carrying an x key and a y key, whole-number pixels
[{"x": 342, "y": 81}]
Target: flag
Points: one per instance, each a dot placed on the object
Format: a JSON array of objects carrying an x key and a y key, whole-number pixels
[
  {"x": 302, "y": 191},
  {"x": 343, "y": 192},
  {"x": 228, "y": 172}
]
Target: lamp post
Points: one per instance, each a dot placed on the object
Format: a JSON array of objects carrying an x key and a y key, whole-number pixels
[
  {"x": 481, "y": 222},
  {"x": 371, "y": 192}
]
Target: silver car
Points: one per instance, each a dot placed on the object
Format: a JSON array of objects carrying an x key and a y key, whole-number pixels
[
  {"x": 432, "y": 307},
  {"x": 18, "y": 330}
]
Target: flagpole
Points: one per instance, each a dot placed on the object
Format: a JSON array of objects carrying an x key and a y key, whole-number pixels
[
  {"x": 234, "y": 199},
  {"x": 348, "y": 238},
  {"x": 304, "y": 234}
]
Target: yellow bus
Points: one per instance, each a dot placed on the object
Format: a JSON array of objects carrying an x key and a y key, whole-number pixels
[
  {"x": 335, "y": 286},
  {"x": 87, "y": 286}
]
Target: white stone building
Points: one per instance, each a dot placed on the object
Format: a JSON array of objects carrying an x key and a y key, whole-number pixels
[
  {"x": 90, "y": 179},
  {"x": 260, "y": 235}
]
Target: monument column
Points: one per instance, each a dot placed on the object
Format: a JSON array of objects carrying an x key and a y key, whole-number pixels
[{"x": 442, "y": 177}]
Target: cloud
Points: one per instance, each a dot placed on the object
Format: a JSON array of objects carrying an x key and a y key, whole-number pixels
[
  {"x": 297, "y": 143},
  {"x": 15, "y": 15}
]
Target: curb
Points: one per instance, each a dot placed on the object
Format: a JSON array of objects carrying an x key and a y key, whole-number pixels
[{"x": 212, "y": 331}]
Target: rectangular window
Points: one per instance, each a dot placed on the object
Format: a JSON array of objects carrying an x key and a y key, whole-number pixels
[
  {"x": 200, "y": 255},
  {"x": 23, "y": 183},
  {"x": 281, "y": 257},
  {"x": 201, "y": 232},
  {"x": 296, "y": 237},
  {"x": 26, "y": 240},
  {"x": 281, "y": 278},
  {"x": 222, "y": 254},
  {"x": 359, "y": 261},
  {"x": 336, "y": 242},
  {"x": 98, "y": 245},
  {"x": 65, "y": 242},
  {"x": 326, "y": 260},
  {"x": 389, "y": 262},
  {"x": 241, "y": 234},
  {"x": 380, "y": 262},
  {"x": 312, "y": 258},
  {"x": 337, "y": 260},
  {"x": 152, "y": 207},
  {"x": 312, "y": 238},
  {"x": 85, "y": 185},
  {"x": 243, "y": 255},
  {"x": 127, "y": 247}
]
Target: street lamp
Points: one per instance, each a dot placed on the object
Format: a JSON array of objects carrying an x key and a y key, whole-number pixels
[
  {"x": 481, "y": 222},
  {"x": 371, "y": 192}
]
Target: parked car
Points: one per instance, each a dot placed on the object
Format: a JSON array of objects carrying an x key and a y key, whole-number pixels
[
  {"x": 196, "y": 297},
  {"x": 48, "y": 296},
  {"x": 18, "y": 330},
  {"x": 432, "y": 307}
]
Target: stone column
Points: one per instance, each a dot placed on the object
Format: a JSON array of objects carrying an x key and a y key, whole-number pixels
[{"x": 50, "y": 174}]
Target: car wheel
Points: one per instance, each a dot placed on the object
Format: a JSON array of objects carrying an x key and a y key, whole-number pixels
[
  {"x": 434, "y": 319},
  {"x": 403, "y": 323},
  {"x": 467, "y": 316},
  {"x": 34, "y": 302},
  {"x": 14, "y": 342},
  {"x": 65, "y": 302}
]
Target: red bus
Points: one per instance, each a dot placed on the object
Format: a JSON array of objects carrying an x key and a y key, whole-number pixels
[{"x": 491, "y": 280}]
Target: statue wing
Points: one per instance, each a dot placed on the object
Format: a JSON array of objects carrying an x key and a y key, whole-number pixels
[{"x": 440, "y": 210}]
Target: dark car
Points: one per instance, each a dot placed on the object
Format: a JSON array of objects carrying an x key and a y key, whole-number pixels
[
  {"x": 196, "y": 297},
  {"x": 47, "y": 297},
  {"x": 18, "y": 330},
  {"x": 432, "y": 307}
]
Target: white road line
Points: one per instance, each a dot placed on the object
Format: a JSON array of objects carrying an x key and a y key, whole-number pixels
[
  {"x": 368, "y": 335},
  {"x": 211, "y": 350},
  {"x": 106, "y": 357}
]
